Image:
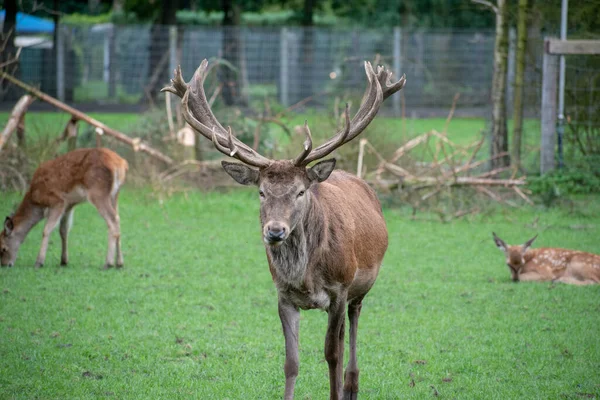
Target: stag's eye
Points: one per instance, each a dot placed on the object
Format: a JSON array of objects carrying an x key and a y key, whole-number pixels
[
  {"x": 301, "y": 193},
  {"x": 261, "y": 194}
]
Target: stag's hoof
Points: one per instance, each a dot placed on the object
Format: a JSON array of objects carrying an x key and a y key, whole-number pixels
[
  {"x": 38, "y": 264},
  {"x": 348, "y": 395},
  {"x": 64, "y": 262},
  {"x": 119, "y": 266},
  {"x": 107, "y": 266}
]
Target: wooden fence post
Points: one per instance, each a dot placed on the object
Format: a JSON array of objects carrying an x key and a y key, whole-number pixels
[{"x": 549, "y": 109}]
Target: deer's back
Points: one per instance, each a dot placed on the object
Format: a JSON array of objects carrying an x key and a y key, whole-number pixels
[
  {"x": 564, "y": 262},
  {"x": 76, "y": 172}
]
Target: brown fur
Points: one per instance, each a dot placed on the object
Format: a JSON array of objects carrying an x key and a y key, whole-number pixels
[
  {"x": 334, "y": 242},
  {"x": 550, "y": 264},
  {"x": 57, "y": 186}
]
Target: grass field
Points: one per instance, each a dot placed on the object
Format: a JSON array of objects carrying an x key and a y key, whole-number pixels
[{"x": 194, "y": 312}]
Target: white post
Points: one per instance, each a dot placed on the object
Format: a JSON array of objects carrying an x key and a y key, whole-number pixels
[
  {"x": 172, "y": 48},
  {"x": 284, "y": 68},
  {"x": 397, "y": 67},
  {"x": 106, "y": 60},
  {"x": 60, "y": 64},
  {"x": 561, "y": 83}
]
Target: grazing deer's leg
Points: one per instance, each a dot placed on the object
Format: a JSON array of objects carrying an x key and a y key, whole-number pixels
[
  {"x": 107, "y": 211},
  {"x": 290, "y": 321},
  {"x": 65, "y": 225},
  {"x": 54, "y": 215},
  {"x": 531, "y": 276},
  {"x": 351, "y": 375},
  {"x": 334, "y": 347},
  {"x": 573, "y": 281},
  {"x": 119, "y": 253}
]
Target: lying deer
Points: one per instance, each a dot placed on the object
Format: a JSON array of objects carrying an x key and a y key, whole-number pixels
[
  {"x": 550, "y": 264},
  {"x": 323, "y": 230},
  {"x": 57, "y": 186}
]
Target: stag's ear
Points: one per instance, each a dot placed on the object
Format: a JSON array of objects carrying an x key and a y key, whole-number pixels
[
  {"x": 8, "y": 226},
  {"x": 499, "y": 242},
  {"x": 241, "y": 173},
  {"x": 528, "y": 243},
  {"x": 321, "y": 170}
]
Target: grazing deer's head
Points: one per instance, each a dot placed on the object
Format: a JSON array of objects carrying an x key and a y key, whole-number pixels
[
  {"x": 515, "y": 255},
  {"x": 9, "y": 244},
  {"x": 283, "y": 184}
]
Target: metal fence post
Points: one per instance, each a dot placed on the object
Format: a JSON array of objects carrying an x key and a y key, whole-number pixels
[
  {"x": 60, "y": 64},
  {"x": 284, "y": 68},
  {"x": 549, "y": 109},
  {"x": 397, "y": 67}
]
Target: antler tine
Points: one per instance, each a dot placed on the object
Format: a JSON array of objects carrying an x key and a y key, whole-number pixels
[
  {"x": 307, "y": 146},
  {"x": 370, "y": 106},
  {"x": 232, "y": 145},
  {"x": 385, "y": 79},
  {"x": 198, "y": 114},
  {"x": 178, "y": 85}
]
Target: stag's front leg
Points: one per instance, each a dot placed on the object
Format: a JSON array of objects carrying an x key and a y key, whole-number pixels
[
  {"x": 290, "y": 321},
  {"x": 334, "y": 346}
]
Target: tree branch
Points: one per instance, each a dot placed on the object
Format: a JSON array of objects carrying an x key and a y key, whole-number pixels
[{"x": 487, "y": 4}]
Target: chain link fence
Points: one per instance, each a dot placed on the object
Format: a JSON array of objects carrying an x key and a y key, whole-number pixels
[{"x": 109, "y": 64}]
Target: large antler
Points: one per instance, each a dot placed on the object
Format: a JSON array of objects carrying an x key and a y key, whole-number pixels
[
  {"x": 380, "y": 88},
  {"x": 198, "y": 114}
]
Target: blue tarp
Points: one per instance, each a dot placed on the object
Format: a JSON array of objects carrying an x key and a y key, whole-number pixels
[{"x": 29, "y": 24}]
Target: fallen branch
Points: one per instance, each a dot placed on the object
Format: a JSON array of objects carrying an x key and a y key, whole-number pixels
[
  {"x": 135, "y": 143},
  {"x": 15, "y": 118}
]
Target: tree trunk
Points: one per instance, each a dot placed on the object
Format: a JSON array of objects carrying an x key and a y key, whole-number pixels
[
  {"x": 519, "y": 81},
  {"x": 8, "y": 41},
  {"x": 232, "y": 80},
  {"x": 499, "y": 139},
  {"x": 158, "y": 72}
]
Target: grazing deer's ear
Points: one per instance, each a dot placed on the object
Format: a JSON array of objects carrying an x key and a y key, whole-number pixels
[
  {"x": 528, "y": 243},
  {"x": 8, "y": 225},
  {"x": 499, "y": 242},
  {"x": 241, "y": 173},
  {"x": 321, "y": 170}
]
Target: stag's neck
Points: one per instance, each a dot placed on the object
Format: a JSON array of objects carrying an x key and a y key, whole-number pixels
[
  {"x": 292, "y": 258},
  {"x": 26, "y": 217}
]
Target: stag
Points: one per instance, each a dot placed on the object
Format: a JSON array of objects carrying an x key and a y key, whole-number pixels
[
  {"x": 323, "y": 229},
  {"x": 550, "y": 264},
  {"x": 57, "y": 186}
]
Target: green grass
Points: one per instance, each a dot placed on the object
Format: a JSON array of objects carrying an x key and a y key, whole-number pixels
[
  {"x": 194, "y": 312},
  {"x": 52, "y": 124},
  {"x": 93, "y": 91}
]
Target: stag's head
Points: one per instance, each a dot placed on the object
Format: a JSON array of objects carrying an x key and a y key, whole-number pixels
[
  {"x": 9, "y": 244},
  {"x": 515, "y": 255},
  {"x": 284, "y": 186}
]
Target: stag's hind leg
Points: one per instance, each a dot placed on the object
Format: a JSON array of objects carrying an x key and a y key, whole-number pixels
[
  {"x": 65, "y": 225},
  {"x": 351, "y": 375}
]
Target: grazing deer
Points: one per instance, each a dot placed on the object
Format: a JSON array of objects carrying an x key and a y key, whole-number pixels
[
  {"x": 57, "y": 187},
  {"x": 324, "y": 232},
  {"x": 550, "y": 264}
]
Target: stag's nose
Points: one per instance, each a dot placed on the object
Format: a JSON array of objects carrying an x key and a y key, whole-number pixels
[{"x": 276, "y": 232}]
